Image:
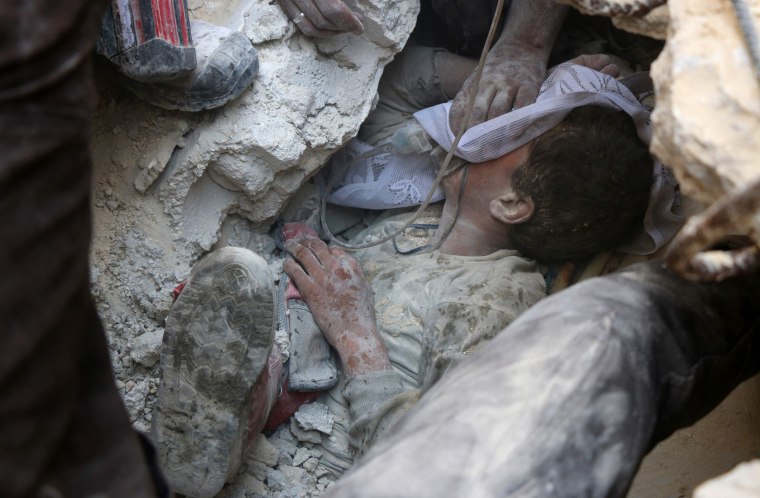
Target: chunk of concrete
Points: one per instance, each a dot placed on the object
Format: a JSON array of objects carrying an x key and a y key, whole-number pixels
[{"x": 315, "y": 417}]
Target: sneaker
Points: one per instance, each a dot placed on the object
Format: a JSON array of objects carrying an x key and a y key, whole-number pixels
[
  {"x": 227, "y": 64},
  {"x": 216, "y": 354}
]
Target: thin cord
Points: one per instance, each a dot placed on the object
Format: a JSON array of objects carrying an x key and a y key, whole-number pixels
[
  {"x": 447, "y": 230},
  {"x": 441, "y": 172},
  {"x": 747, "y": 25}
]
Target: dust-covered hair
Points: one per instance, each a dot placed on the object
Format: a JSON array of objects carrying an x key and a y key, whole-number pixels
[{"x": 589, "y": 179}]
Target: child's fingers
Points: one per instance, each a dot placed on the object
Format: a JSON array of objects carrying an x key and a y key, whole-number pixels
[
  {"x": 319, "y": 249},
  {"x": 303, "y": 255},
  {"x": 297, "y": 274}
]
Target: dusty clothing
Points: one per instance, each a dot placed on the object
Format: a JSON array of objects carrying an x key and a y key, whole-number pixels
[
  {"x": 432, "y": 311},
  {"x": 63, "y": 427},
  {"x": 568, "y": 399},
  {"x": 410, "y": 83}
]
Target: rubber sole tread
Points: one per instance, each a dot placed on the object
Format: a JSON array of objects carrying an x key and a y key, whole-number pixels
[{"x": 216, "y": 344}]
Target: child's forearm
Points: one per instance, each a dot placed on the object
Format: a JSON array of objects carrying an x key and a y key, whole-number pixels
[{"x": 361, "y": 351}]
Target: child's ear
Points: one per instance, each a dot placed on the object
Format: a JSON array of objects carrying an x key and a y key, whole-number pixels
[{"x": 511, "y": 209}]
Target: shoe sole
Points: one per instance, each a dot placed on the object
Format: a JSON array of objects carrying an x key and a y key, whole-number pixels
[{"x": 216, "y": 345}]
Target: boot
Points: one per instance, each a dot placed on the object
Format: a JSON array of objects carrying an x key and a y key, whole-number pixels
[
  {"x": 219, "y": 374},
  {"x": 148, "y": 42},
  {"x": 227, "y": 65}
]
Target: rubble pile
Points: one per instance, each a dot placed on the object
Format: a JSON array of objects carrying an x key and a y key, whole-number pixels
[
  {"x": 171, "y": 186},
  {"x": 707, "y": 119}
]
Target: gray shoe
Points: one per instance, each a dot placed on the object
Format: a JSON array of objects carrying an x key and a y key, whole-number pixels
[
  {"x": 312, "y": 364},
  {"x": 227, "y": 64},
  {"x": 216, "y": 346}
]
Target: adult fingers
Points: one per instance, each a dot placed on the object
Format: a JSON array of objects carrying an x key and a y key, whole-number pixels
[
  {"x": 526, "y": 95},
  {"x": 503, "y": 102},
  {"x": 337, "y": 12},
  {"x": 314, "y": 15},
  {"x": 459, "y": 105},
  {"x": 307, "y": 28},
  {"x": 482, "y": 105},
  {"x": 456, "y": 114},
  {"x": 330, "y": 15},
  {"x": 290, "y": 8},
  {"x": 611, "y": 70},
  {"x": 302, "y": 22}
]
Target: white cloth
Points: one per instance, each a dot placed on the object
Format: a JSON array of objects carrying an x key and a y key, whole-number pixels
[
  {"x": 568, "y": 86},
  {"x": 382, "y": 181}
]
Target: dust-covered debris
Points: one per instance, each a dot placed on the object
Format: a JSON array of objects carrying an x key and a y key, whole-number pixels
[
  {"x": 304, "y": 436},
  {"x": 315, "y": 417},
  {"x": 170, "y": 186}
]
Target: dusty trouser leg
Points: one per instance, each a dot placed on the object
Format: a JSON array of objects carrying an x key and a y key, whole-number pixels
[
  {"x": 418, "y": 77},
  {"x": 63, "y": 426},
  {"x": 567, "y": 400}
]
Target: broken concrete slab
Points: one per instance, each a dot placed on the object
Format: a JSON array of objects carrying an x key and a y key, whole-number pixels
[
  {"x": 315, "y": 417},
  {"x": 707, "y": 118},
  {"x": 167, "y": 182}
]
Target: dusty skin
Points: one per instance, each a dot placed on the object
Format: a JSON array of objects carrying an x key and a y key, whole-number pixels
[{"x": 341, "y": 302}]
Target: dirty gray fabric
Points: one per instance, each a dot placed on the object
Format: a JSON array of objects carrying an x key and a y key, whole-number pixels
[
  {"x": 410, "y": 83},
  {"x": 312, "y": 364},
  {"x": 432, "y": 311},
  {"x": 567, "y": 400}
]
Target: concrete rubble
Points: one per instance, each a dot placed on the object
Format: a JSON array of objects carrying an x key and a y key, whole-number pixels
[
  {"x": 171, "y": 186},
  {"x": 707, "y": 119}
]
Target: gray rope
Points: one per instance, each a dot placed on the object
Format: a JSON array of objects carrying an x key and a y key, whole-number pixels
[{"x": 747, "y": 26}]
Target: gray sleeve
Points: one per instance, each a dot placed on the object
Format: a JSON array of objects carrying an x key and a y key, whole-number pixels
[
  {"x": 375, "y": 400},
  {"x": 378, "y": 399}
]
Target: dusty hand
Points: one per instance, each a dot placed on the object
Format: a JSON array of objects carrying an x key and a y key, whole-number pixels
[
  {"x": 511, "y": 78},
  {"x": 598, "y": 62},
  {"x": 511, "y": 82},
  {"x": 322, "y": 18},
  {"x": 340, "y": 301}
]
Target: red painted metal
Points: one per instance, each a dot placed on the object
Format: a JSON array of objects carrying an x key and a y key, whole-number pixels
[
  {"x": 185, "y": 39},
  {"x": 137, "y": 19}
]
